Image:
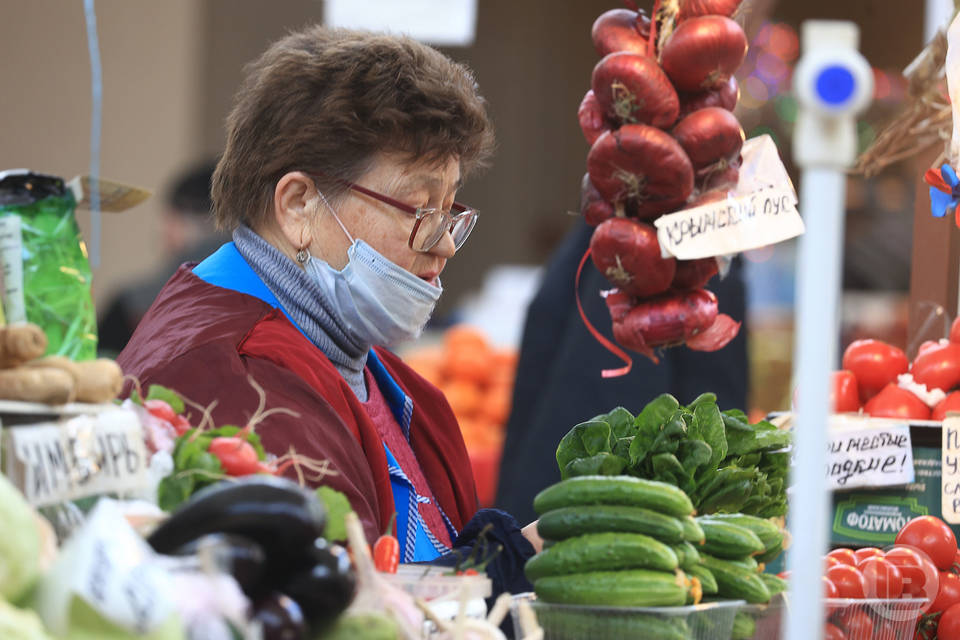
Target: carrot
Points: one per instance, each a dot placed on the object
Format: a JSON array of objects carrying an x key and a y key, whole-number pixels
[{"x": 20, "y": 343}]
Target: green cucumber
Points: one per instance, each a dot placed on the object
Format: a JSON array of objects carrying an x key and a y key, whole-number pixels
[
  {"x": 769, "y": 533},
  {"x": 572, "y": 624},
  {"x": 749, "y": 563},
  {"x": 707, "y": 582},
  {"x": 692, "y": 532},
  {"x": 733, "y": 581},
  {"x": 771, "y": 554},
  {"x": 744, "y": 626},
  {"x": 687, "y": 555},
  {"x": 631, "y": 588},
  {"x": 601, "y": 552},
  {"x": 728, "y": 540},
  {"x": 568, "y": 522},
  {"x": 614, "y": 490},
  {"x": 775, "y": 584}
]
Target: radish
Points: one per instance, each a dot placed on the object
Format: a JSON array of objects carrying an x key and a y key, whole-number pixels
[
  {"x": 671, "y": 318},
  {"x": 642, "y": 164},
  {"x": 702, "y": 53},
  {"x": 627, "y": 253},
  {"x": 725, "y": 97},
  {"x": 716, "y": 336},
  {"x": 695, "y": 8},
  {"x": 710, "y": 136},
  {"x": 694, "y": 274},
  {"x": 236, "y": 455},
  {"x": 592, "y": 205},
  {"x": 621, "y": 30},
  {"x": 592, "y": 121},
  {"x": 632, "y": 88}
]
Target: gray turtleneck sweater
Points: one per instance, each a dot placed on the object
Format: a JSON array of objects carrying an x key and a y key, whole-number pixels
[{"x": 310, "y": 306}]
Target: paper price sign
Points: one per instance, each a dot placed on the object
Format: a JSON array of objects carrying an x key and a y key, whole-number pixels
[
  {"x": 731, "y": 225},
  {"x": 950, "y": 470},
  {"x": 87, "y": 455},
  {"x": 869, "y": 457}
]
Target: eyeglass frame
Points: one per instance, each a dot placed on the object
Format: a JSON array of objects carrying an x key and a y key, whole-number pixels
[{"x": 418, "y": 212}]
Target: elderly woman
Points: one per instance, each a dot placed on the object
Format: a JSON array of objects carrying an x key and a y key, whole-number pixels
[{"x": 345, "y": 151}]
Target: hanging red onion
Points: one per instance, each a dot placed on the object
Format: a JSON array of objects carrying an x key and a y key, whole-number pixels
[
  {"x": 723, "y": 176},
  {"x": 716, "y": 336},
  {"x": 627, "y": 253},
  {"x": 709, "y": 136},
  {"x": 726, "y": 97},
  {"x": 694, "y": 274},
  {"x": 669, "y": 319},
  {"x": 621, "y": 30},
  {"x": 592, "y": 205},
  {"x": 592, "y": 120},
  {"x": 694, "y": 8},
  {"x": 632, "y": 88},
  {"x": 643, "y": 164},
  {"x": 702, "y": 53}
]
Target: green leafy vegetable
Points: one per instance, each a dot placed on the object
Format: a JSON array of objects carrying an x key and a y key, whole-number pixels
[{"x": 337, "y": 507}]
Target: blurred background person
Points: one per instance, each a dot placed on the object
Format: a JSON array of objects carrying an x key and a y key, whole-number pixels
[
  {"x": 558, "y": 382},
  {"x": 187, "y": 235}
]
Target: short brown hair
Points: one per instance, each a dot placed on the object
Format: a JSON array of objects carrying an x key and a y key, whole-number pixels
[{"x": 326, "y": 100}]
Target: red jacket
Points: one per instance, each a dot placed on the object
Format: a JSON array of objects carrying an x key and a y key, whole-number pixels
[{"x": 204, "y": 341}]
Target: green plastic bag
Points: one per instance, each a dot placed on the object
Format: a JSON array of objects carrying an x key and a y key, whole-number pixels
[{"x": 46, "y": 273}]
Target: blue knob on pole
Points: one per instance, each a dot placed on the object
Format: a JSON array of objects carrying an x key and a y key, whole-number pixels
[{"x": 835, "y": 85}]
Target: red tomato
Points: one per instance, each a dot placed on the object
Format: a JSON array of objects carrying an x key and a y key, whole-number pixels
[
  {"x": 949, "y": 626},
  {"x": 829, "y": 591},
  {"x": 883, "y": 578},
  {"x": 875, "y": 364},
  {"x": 843, "y": 556},
  {"x": 948, "y": 594},
  {"x": 849, "y": 581},
  {"x": 237, "y": 456},
  {"x": 784, "y": 575},
  {"x": 927, "y": 345},
  {"x": 832, "y": 632},
  {"x": 867, "y": 552},
  {"x": 938, "y": 368},
  {"x": 829, "y": 561},
  {"x": 857, "y": 624},
  {"x": 920, "y": 578},
  {"x": 844, "y": 396},
  {"x": 894, "y": 402},
  {"x": 160, "y": 409},
  {"x": 954, "y": 331},
  {"x": 950, "y": 403},
  {"x": 932, "y": 536}
]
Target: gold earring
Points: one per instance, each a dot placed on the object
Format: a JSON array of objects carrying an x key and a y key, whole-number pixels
[{"x": 302, "y": 255}]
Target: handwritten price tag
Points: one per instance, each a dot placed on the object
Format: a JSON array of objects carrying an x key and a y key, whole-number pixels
[
  {"x": 950, "y": 469},
  {"x": 869, "y": 457}
]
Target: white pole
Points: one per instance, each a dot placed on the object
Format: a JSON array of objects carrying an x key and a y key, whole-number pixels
[
  {"x": 832, "y": 82},
  {"x": 936, "y": 15}
]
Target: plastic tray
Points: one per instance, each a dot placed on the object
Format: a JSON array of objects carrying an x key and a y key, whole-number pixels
[
  {"x": 430, "y": 583},
  {"x": 891, "y": 619},
  {"x": 710, "y": 621}
]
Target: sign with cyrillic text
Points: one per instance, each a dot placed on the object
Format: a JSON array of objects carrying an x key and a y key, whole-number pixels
[
  {"x": 876, "y": 457},
  {"x": 950, "y": 469},
  {"x": 84, "y": 456}
]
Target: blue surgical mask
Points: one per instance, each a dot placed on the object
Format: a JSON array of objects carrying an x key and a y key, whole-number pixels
[{"x": 382, "y": 302}]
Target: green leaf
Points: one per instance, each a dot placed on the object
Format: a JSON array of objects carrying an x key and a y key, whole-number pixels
[
  {"x": 703, "y": 398},
  {"x": 657, "y": 412},
  {"x": 173, "y": 491},
  {"x": 694, "y": 454},
  {"x": 171, "y": 397},
  {"x": 710, "y": 423},
  {"x": 582, "y": 441},
  {"x": 337, "y": 507},
  {"x": 602, "y": 464},
  {"x": 621, "y": 422}
]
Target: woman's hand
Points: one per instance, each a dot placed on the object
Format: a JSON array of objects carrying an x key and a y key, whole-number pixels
[{"x": 533, "y": 536}]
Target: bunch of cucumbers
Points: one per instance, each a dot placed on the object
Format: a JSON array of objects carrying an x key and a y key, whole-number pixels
[{"x": 626, "y": 541}]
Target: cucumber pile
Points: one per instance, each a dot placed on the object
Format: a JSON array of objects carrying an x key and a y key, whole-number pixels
[
  {"x": 614, "y": 541},
  {"x": 625, "y": 541}
]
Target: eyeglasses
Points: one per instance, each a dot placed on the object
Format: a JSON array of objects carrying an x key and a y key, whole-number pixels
[{"x": 431, "y": 222}]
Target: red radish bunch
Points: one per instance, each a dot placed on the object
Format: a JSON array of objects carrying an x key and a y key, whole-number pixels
[{"x": 662, "y": 135}]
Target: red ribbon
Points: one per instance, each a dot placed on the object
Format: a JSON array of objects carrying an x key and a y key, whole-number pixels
[{"x": 599, "y": 337}]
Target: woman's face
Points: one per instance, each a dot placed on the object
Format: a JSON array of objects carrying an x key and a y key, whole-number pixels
[{"x": 383, "y": 226}]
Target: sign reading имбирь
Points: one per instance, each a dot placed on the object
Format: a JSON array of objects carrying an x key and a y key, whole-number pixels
[
  {"x": 950, "y": 470},
  {"x": 871, "y": 457},
  {"x": 760, "y": 211}
]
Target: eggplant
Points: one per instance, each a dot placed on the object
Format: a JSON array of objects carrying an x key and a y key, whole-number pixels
[
  {"x": 277, "y": 514},
  {"x": 280, "y": 618},
  {"x": 235, "y": 555},
  {"x": 327, "y": 587}
]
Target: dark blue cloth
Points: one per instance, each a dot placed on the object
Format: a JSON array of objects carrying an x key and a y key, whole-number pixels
[{"x": 558, "y": 381}]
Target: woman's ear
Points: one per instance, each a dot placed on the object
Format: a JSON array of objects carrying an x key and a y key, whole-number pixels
[{"x": 294, "y": 203}]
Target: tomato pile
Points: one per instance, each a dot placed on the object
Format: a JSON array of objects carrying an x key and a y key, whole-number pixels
[
  {"x": 663, "y": 138},
  {"x": 922, "y": 563},
  {"x": 879, "y": 379}
]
